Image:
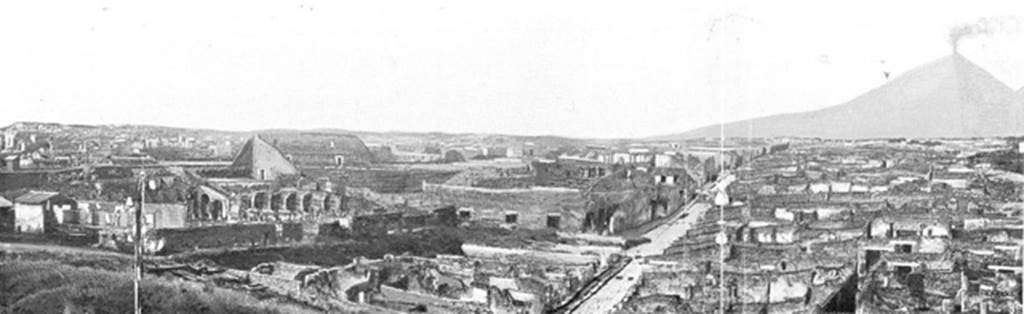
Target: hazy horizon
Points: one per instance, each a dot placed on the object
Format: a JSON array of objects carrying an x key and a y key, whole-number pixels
[{"x": 579, "y": 69}]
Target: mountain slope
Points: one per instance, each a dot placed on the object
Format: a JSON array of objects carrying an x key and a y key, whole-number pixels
[{"x": 949, "y": 97}]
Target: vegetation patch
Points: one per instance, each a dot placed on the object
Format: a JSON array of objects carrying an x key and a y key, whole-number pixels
[{"x": 28, "y": 286}]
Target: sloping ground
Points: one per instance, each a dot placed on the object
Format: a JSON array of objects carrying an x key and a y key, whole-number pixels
[
  {"x": 950, "y": 97},
  {"x": 54, "y": 287}
]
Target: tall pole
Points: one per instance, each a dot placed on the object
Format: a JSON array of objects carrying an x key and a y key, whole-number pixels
[
  {"x": 138, "y": 242},
  {"x": 720, "y": 98}
]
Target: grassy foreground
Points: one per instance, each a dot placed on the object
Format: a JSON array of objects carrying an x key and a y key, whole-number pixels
[{"x": 41, "y": 286}]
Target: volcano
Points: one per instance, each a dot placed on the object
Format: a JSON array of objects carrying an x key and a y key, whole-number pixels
[{"x": 949, "y": 97}]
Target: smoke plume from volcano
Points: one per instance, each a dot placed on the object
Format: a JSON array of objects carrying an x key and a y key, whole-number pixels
[{"x": 983, "y": 26}]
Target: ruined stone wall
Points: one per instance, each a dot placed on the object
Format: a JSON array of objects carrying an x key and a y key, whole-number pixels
[
  {"x": 528, "y": 257},
  {"x": 505, "y": 182},
  {"x": 532, "y": 206},
  {"x": 223, "y": 236},
  {"x": 385, "y": 223},
  {"x": 640, "y": 205},
  {"x": 744, "y": 288},
  {"x": 571, "y": 174},
  {"x": 665, "y": 282},
  {"x": 390, "y": 180},
  {"x": 279, "y": 285}
]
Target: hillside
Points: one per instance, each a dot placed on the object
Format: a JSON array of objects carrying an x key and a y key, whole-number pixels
[
  {"x": 949, "y": 97},
  {"x": 56, "y": 279}
]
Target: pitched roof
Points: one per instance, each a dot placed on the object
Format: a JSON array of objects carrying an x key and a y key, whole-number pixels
[
  {"x": 5, "y": 203},
  {"x": 320, "y": 143},
  {"x": 256, "y": 151},
  {"x": 35, "y": 197}
]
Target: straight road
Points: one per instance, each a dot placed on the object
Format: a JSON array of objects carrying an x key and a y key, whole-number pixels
[{"x": 616, "y": 290}]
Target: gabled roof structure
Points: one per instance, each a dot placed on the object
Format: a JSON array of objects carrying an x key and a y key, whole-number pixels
[{"x": 263, "y": 161}]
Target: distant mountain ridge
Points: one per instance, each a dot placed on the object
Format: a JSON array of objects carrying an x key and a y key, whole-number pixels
[
  {"x": 362, "y": 137},
  {"x": 949, "y": 97}
]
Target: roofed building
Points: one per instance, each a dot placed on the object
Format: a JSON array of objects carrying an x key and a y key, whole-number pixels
[
  {"x": 263, "y": 161},
  {"x": 321, "y": 150},
  {"x": 41, "y": 211}
]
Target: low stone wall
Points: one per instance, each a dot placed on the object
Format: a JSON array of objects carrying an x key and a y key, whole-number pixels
[{"x": 497, "y": 253}]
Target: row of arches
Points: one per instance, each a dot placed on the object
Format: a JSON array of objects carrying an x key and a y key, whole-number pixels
[
  {"x": 308, "y": 202},
  {"x": 203, "y": 207},
  {"x": 210, "y": 205}
]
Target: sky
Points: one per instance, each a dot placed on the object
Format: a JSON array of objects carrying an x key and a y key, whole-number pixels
[{"x": 587, "y": 68}]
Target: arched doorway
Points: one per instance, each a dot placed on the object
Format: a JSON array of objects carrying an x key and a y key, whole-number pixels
[
  {"x": 260, "y": 200},
  {"x": 307, "y": 203},
  {"x": 292, "y": 202},
  {"x": 276, "y": 202},
  {"x": 331, "y": 203},
  {"x": 204, "y": 207},
  {"x": 246, "y": 202},
  {"x": 217, "y": 210}
]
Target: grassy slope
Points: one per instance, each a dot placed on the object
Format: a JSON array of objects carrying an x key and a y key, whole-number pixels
[{"x": 42, "y": 286}]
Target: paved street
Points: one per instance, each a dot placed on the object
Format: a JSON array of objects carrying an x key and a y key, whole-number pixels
[{"x": 612, "y": 293}]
